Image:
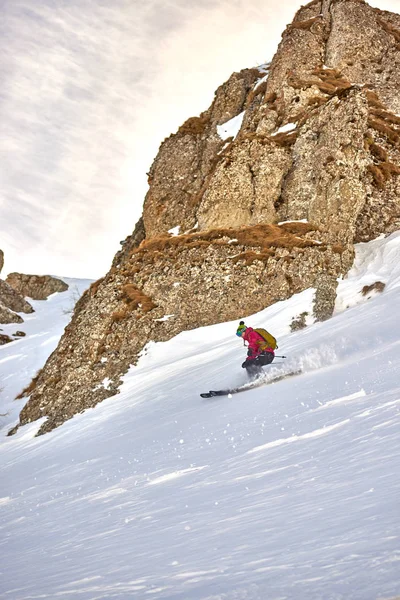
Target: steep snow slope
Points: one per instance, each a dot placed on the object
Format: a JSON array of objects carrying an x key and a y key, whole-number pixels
[
  {"x": 21, "y": 359},
  {"x": 291, "y": 490}
]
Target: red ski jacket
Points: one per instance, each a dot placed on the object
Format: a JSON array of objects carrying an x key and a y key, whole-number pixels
[{"x": 254, "y": 341}]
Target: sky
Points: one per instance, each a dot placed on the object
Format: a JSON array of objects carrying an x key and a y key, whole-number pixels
[
  {"x": 89, "y": 91},
  {"x": 288, "y": 490}
]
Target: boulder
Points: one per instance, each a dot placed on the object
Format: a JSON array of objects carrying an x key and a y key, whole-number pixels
[
  {"x": 8, "y": 316},
  {"x": 37, "y": 287},
  {"x": 10, "y": 298},
  {"x": 5, "y": 339}
]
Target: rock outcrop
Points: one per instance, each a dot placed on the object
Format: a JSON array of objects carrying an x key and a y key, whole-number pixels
[
  {"x": 8, "y": 316},
  {"x": 270, "y": 212},
  {"x": 12, "y": 300},
  {"x": 178, "y": 176},
  {"x": 37, "y": 287},
  {"x": 4, "y": 339}
]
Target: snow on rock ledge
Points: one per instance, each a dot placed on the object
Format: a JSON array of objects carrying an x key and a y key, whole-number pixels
[{"x": 231, "y": 128}]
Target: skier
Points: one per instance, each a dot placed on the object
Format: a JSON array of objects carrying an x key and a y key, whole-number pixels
[{"x": 260, "y": 350}]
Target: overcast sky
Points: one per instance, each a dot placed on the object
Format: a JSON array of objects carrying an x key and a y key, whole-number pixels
[{"x": 89, "y": 89}]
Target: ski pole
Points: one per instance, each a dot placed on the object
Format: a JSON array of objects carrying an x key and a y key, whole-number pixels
[{"x": 277, "y": 356}]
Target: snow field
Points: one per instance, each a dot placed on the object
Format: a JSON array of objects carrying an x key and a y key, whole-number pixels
[{"x": 288, "y": 491}]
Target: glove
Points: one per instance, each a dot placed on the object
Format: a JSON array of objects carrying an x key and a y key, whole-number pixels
[{"x": 249, "y": 352}]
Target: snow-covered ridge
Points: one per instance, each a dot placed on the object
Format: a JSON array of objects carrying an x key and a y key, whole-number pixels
[{"x": 374, "y": 261}]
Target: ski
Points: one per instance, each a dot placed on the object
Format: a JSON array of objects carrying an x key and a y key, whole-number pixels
[
  {"x": 213, "y": 393},
  {"x": 249, "y": 386}
]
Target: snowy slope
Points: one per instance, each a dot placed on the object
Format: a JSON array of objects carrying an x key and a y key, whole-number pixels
[
  {"x": 288, "y": 491},
  {"x": 22, "y": 359}
]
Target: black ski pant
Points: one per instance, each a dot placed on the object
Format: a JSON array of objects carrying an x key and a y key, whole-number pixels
[{"x": 253, "y": 365}]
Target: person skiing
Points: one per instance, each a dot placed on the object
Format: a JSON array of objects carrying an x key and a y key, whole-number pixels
[{"x": 260, "y": 348}]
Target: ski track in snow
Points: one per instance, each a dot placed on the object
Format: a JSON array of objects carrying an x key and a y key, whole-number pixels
[
  {"x": 289, "y": 490},
  {"x": 350, "y": 397},
  {"x": 296, "y": 438},
  {"x": 175, "y": 475}
]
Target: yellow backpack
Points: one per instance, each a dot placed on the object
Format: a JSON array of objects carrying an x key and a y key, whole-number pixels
[{"x": 270, "y": 341}]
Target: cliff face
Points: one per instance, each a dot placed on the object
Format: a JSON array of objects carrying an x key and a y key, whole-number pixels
[
  {"x": 178, "y": 176},
  {"x": 318, "y": 142}
]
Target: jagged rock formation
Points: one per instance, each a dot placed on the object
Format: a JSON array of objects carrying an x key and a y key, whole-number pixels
[
  {"x": 8, "y": 316},
  {"x": 185, "y": 161},
  {"x": 319, "y": 142},
  {"x": 37, "y": 287},
  {"x": 11, "y": 302}
]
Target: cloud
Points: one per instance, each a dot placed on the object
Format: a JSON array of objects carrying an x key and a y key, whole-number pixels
[{"x": 72, "y": 80}]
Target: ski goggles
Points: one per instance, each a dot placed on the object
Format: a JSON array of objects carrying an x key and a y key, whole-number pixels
[{"x": 240, "y": 331}]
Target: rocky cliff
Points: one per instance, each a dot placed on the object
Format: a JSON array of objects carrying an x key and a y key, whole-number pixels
[{"x": 271, "y": 211}]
